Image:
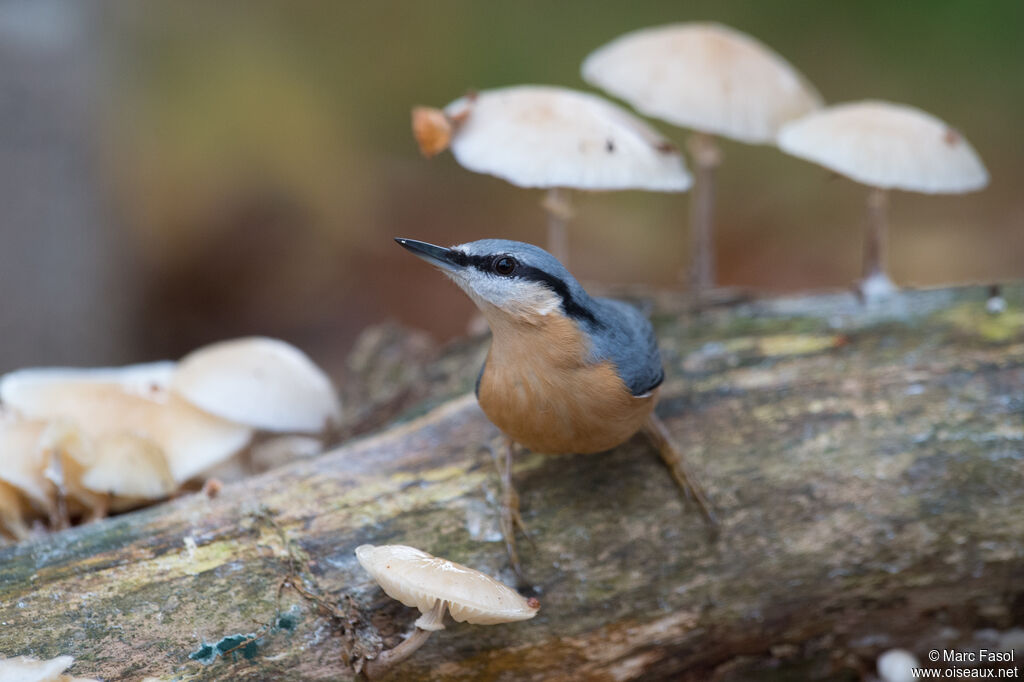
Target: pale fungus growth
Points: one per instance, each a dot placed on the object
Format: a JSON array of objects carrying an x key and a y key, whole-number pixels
[
  {"x": 68, "y": 454},
  {"x": 995, "y": 304},
  {"x": 263, "y": 383},
  {"x": 552, "y": 138},
  {"x": 434, "y": 585},
  {"x": 27, "y": 669},
  {"x": 714, "y": 80},
  {"x": 885, "y": 146},
  {"x": 897, "y": 665},
  {"x": 102, "y": 402},
  {"x": 79, "y": 442},
  {"x": 703, "y": 76},
  {"x": 432, "y": 130},
  {"x": 142, "y": 379},
  {"x": 129, "y": 466},
  {"x": 12, "y": 514},
  {"x": 22, "y": 461}
]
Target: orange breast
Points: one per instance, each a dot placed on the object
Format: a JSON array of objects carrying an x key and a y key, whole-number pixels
[{"x": 538, "y": 389}]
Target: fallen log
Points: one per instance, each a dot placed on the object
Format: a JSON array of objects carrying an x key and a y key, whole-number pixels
[{"x": 866, "y": 464}]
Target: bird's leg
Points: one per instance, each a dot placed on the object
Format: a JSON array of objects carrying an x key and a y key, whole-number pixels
[
  {"x": 662, "y": 439},
  {"x": 510, "y": 516}
]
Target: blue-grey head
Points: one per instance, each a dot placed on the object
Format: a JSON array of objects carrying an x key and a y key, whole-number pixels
[
  {"x": 519, "y": 280},
  {"x": 515, "y": 281}
]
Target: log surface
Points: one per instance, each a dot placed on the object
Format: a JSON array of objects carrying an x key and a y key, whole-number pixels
[{"x": 867, "y": 466}]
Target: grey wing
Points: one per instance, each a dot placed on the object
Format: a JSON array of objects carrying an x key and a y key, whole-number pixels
[{"x": 626, "y": 337}]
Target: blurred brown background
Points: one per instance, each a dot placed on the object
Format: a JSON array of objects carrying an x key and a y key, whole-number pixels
[{"x": 177, "y": 171}]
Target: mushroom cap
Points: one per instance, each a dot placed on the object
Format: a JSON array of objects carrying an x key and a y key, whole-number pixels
[
  {"x": 891, "y": 146},
  {"x": 26, "y": 669},
  {"x": 132, "y": 400},
  {"x": 22, "y": 460},
  {"x": 703, "y": 76},
  {"x": 263, "y": 383},
  {"x": 129, "y": 465},
  {"x": 418, "y": 579},
  {"x": 432, "y": 130},
  {"x": 543, "y": 136}
]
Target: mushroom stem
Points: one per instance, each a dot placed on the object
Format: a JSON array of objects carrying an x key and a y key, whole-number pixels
[
  {"x": 60, "y": 518},
  {"x": 706, "y": 157},
  {"x": 875, "y": 284},
  {"x": 426, "y": 624},
  {"x": 558, "y": 206},
  {"x": 875, "y": 237}
]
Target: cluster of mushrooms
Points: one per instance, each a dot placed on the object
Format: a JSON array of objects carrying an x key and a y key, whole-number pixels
[
  {"x": 715, "y": 81},
  {"x": 77, "y": 443}
]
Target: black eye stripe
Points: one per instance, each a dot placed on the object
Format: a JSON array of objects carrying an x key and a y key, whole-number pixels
[
  {"x": 464, "y": 260},
  {"x": 569, "y": 305},
  {"x": 561, "y": 289}
]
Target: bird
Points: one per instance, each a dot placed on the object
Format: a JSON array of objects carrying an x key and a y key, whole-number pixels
[{"x": 566, "y": 372}]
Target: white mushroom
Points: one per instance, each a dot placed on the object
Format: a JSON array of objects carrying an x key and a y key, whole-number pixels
[
  {"x": 12, "y": 513},
  {"x": 27, "y": 669},
  {"x": 129, "y": 466},
  {"x": 133, "y": 400},
  {"x": 885, "y": 146},
  {"x": 68, "y": 453},
  {"x": 555, "y": 139},
  {"x": 712, "y": 79},
  {"x": 22, "y": 460},
  {"x": 897, "y": 665},
  {"x": 433, "y": 585},
  {"x": 260, "y": 382},
  {"x": 703, "y": 76}
]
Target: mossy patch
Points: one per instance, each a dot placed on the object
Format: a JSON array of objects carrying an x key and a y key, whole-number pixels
[{"x": 973, "y": 319}]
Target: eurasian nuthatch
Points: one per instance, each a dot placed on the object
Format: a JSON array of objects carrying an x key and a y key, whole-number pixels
[{"x": 566, "y": 372}]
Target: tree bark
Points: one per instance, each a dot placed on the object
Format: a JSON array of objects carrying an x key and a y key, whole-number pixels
[{"x": 866, "y": 466}]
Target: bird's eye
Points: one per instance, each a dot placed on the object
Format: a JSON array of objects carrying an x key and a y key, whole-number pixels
[{"x": 504, "y": 265}]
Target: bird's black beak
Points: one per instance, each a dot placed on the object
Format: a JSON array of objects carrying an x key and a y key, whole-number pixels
[{"x": 435, "y": 255}]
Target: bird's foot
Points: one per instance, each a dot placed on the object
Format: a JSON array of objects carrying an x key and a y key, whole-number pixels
[
  {"x": 677, "y": 466},
  {"x": 511, "y": 519}
]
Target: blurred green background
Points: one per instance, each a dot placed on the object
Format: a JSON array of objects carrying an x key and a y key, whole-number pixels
[{"x": 178, "y": 171}]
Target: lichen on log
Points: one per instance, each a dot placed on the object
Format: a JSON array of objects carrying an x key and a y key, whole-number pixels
[{"x": 867, "y": 466}]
